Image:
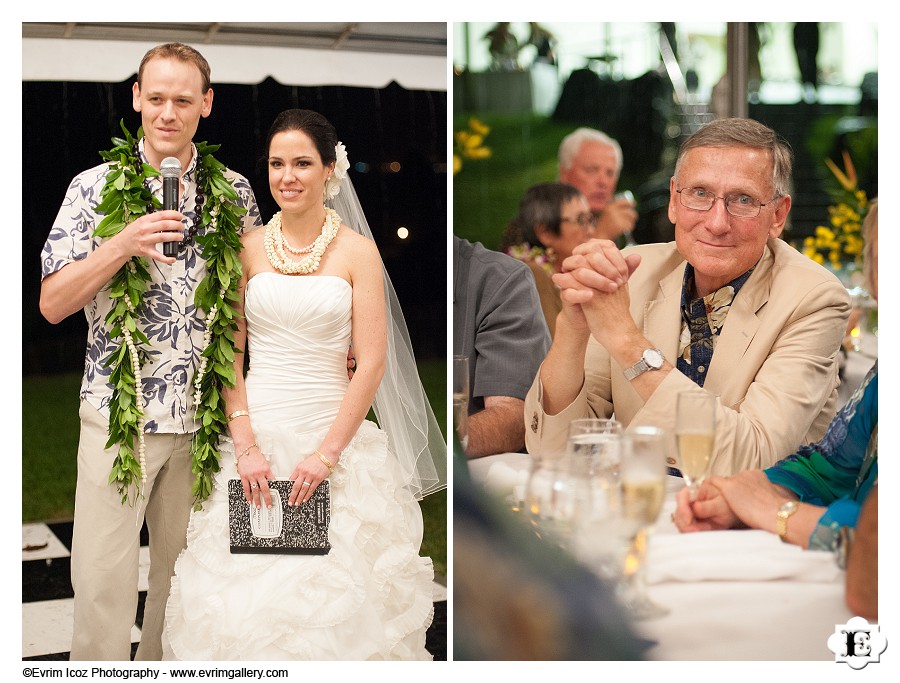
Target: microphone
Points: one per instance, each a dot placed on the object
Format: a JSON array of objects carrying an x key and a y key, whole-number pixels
[{"x": 171, "y": 174}]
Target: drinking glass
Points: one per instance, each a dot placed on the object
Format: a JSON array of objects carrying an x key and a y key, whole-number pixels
[
  {"x": 695, "y": 434},
  {"x": 461, "y": 399},
  {"x": 642, "y": 475},
  {"x": 593, "y": 449},
  {"x": 629, "y": 237},
  {"x": 556, "y": 498}
]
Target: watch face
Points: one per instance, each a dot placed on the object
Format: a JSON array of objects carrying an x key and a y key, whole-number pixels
[
  {"x": 653, "y": 358},
  {"x": 788, "y": 508}
]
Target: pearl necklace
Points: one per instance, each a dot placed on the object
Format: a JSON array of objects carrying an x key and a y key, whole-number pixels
[
  {"x": 294, "y": 250},
  {"x": 276, "y": 244}
]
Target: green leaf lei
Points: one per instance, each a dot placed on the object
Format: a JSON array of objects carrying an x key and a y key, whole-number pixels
[{"x": 124, "y": 198}]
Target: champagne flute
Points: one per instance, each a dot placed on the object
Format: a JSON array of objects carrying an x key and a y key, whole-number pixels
[
  {"x": 643, "y": 473},
  {"x": 695, "y": 433},
  {"x": 461, "y": 399}
]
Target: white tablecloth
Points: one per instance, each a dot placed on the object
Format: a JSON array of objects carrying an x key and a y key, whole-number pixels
[{"x": 732, "y": 595}]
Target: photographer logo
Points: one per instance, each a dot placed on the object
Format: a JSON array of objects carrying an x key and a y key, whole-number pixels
[{"x": 857, "y": 643}]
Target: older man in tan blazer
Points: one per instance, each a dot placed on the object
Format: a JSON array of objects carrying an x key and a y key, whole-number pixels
[{"x": 728, "y": 306}]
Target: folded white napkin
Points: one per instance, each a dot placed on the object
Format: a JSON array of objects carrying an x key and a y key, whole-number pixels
[
  {"x": 736, "y": 555},
  {"x": 504, "y": 479}
]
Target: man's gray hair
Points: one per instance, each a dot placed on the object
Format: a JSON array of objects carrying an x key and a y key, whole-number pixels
[
  {"x": 744, "y": 133},
  {"x": 568, "y": 148}
]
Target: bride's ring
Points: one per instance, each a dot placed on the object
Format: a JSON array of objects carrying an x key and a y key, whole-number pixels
[
  {"x": 306, "y": 483},
  {"x": 254, "y": 485}
]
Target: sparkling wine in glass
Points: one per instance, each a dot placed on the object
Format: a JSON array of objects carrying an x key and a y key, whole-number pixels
[
  {"x": 643, "y": 473},
  {"x": 642, "y": 500},
  {"x": 695, "y": 434}
]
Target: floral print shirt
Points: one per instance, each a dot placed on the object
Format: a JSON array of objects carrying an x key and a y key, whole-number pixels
[
  {"x": 701, "y": 322},
  {"x": 168, "y": 317}
]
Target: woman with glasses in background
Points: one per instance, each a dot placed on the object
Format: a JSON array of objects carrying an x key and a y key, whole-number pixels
[{"x": 553, "y": 219}]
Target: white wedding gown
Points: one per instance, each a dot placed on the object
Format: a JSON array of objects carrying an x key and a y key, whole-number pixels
[{"x": 370, "y": 597}]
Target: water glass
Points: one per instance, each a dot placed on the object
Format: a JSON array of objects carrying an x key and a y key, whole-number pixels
[
  {"x": 461, "y": 399},
  {"x": 557, "y": 497},
  {"x": 593, "y": 449}
]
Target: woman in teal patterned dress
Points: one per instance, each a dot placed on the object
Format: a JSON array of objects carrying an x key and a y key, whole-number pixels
[{"x": 814, "y": 496}]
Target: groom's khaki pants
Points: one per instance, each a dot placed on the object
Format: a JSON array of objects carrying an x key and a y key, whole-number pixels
[{"x": 106, "y": 542}]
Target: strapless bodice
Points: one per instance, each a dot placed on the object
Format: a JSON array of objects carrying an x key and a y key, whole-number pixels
[
  {"x": 298, "y": 326},
  {"x": 299, "y": 333}
]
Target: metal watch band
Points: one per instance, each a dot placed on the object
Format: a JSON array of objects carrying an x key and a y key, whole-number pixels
[{"x": 638, "y": 368}]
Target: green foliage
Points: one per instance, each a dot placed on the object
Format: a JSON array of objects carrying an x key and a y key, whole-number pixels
[
  {"x": 221, "y": 249},
  {"x": 434, "y": 540},
  {"x": 433, "y": 374},
  {"x": 50, "y": 428},
  {"x": 49, "y": 455},
  {"x": 832, "y": 134},
  {"x": 487, "y": 192},
  {"x": 124, "y": 198}
]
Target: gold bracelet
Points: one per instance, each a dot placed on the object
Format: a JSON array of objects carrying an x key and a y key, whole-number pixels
[
  {"x": 246, "y": 450},
  {"x": 238, "y": 413},
  {"x": 325, "y": 460}
]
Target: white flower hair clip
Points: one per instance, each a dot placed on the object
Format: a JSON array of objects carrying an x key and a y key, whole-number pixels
[{"x": 341, "y": 166}]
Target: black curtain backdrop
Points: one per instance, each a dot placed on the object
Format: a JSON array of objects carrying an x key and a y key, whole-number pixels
[{"x": 65, "y": 124}]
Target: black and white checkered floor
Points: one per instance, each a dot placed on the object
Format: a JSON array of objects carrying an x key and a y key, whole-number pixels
[{"x": 47, "y": 596}]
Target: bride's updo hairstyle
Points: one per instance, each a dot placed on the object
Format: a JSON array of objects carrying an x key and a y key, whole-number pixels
[{"x": 316, "y": 126}]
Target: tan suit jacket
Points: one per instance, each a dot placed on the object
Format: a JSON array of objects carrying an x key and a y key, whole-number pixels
[{"x": 774, "y": 369}]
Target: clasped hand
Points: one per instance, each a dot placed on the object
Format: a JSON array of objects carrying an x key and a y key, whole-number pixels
[
  {"x": 745, "y": 499},
  {"x": 593, "y": 285},
  {"x": 709, "y": 512}
]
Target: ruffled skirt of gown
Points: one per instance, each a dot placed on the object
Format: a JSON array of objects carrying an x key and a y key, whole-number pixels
[{"x": 369, "y": 598}]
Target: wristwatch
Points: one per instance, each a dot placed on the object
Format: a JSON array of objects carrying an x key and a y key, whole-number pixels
[
  {"x": 651, "y": 359},
  {"x": 781, "y": 518},
  {"x": 842, "y": 545}
]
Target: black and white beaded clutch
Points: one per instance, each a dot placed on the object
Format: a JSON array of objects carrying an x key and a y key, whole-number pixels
[{"x": 286, "y": 529}]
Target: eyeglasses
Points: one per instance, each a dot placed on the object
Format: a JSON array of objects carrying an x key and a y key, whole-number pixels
[
  {"x": 587, "y": 221},
  {"x": 738, "y": 205}
]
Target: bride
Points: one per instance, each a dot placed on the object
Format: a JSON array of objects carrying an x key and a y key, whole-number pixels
[{"x": 310, "y": 286}]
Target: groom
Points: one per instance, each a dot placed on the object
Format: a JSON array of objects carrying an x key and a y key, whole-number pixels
[{"x": 171, "y": 94}]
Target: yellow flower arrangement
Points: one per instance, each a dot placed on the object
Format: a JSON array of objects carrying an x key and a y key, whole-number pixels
[
  {"x": 469, "y": 144},
  {"x": 840, "y": 243}
]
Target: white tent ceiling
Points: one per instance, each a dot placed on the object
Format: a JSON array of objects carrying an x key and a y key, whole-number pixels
[{"x": 355, "y": 54}]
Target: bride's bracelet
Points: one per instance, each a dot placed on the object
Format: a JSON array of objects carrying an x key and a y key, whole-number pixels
[
  {"x": 324, "y": 460},
  {"x": 245, "y": 452}
]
